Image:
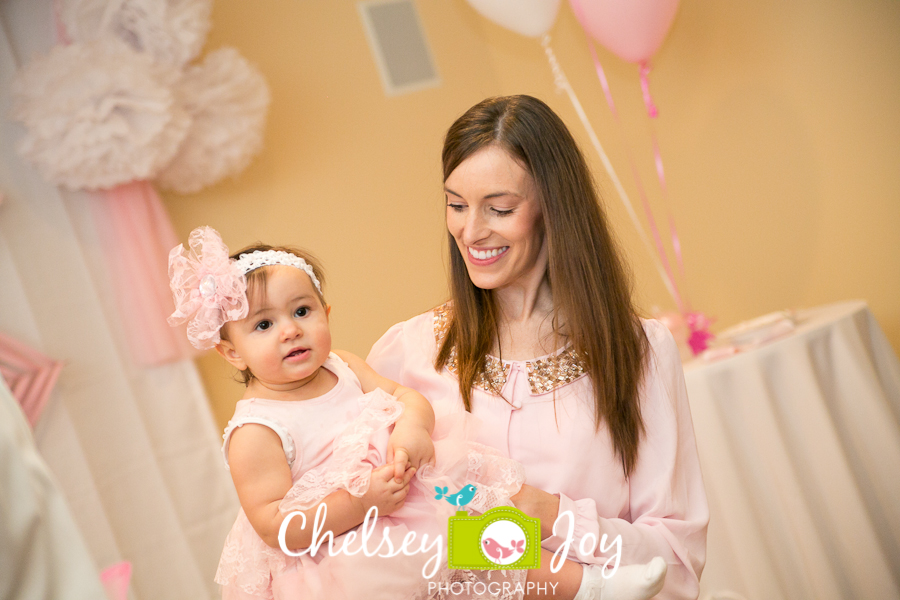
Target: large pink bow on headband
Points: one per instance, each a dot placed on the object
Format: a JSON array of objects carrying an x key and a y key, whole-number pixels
[{"x": 207, "y": 286}]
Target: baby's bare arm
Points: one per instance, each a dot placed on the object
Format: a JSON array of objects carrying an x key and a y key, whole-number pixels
[{"x": 262, "y": 478}]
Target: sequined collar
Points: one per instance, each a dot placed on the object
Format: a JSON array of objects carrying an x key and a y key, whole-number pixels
[{"x": 544, "y": 374}]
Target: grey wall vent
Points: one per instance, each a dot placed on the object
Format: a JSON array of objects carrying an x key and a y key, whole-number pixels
[{"x": 399, "y": 46}]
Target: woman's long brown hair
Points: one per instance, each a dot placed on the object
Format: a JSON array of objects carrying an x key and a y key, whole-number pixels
[{"x": 590, "y": 284}]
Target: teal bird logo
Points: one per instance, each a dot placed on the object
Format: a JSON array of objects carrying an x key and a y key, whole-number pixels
[{"x": 460, "y": 498}]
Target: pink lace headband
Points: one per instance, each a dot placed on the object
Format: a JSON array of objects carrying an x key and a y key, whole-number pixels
[{"x": 210, "y": 288}]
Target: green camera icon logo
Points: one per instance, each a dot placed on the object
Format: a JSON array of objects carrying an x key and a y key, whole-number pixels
[{"x": 501, "y": 538}]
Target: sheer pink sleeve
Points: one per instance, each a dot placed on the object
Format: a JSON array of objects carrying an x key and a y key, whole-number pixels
[
  {"x": 388, "y": 355},
  {"x": 667, "y": 500}
]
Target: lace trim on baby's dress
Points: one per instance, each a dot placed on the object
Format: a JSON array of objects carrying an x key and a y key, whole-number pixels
[
  {"x": 347, "y": 468},
  {"x": 287, "y": 442},
  {"x": 497, "y": 478},
  {"x": 544, "y": 374},
  {"x": 251, "y": 569}
]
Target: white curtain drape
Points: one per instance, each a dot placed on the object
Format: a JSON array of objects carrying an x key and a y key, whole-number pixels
[
  {"x": 134, "y": 450},
  {"x": 42, "y": 552}
]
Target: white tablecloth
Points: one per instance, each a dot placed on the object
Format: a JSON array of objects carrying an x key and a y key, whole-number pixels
[{"x": 799, "y": 441}]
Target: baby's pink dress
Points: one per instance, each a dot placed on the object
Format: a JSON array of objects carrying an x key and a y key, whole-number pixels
[
  {"x": 544, "y": 420},
  {"x": 332, "y": 442}
]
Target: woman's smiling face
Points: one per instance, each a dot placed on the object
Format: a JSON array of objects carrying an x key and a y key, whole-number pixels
[{"x": 494, "y": 215}]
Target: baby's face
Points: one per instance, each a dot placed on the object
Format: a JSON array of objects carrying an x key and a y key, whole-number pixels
[{"x": 285, "y": 337}]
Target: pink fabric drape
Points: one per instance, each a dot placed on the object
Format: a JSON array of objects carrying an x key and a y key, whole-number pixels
[
  {"x": 136, "y": 236},
  {"x": 115, "y": 580},
  {"x": 29, "y": 374}
]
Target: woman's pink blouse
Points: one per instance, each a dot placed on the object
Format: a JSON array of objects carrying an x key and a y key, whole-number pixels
[{"x": 660, "y": 510}]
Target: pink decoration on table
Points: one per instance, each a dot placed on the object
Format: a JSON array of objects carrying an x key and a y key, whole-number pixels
[
  {"x": 632, "y": 29},
  {"x": 208, "y": 287},
  {"x": 752, "y": 334},
  {"x": 690, "y": 330},
  {"x": 136, "y": 236},
  {"x": 29, "y": 374},
  {"x": 700, "y": 337},
  {"x": 115, "y": 580}
]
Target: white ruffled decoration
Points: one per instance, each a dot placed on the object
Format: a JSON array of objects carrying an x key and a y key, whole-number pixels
[
  {"x": 171, "y": 31},
  {"x": 227, "y": 98},
  {"x": 98, "y": 114},
  {"x": 122, "y": 103}
]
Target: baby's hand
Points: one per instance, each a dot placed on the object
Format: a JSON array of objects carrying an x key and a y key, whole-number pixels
[
  {"x": 409, "y": 446},
  {"x": 385, "y": 493}
]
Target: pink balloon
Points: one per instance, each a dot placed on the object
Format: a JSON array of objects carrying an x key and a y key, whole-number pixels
[{"x": 632, "y": 29}]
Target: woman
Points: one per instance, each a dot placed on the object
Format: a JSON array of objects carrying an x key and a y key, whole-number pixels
[{"x": 541, "y": 342}]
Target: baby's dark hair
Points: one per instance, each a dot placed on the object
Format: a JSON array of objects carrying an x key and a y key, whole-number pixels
[{"x": 256, "y": 282}]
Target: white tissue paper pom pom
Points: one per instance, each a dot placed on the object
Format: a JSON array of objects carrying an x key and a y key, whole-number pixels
[
  {"x": 171, "y": 31},
  {"x": 227, "y": 99},
  {"x": 97, "y": 115}
]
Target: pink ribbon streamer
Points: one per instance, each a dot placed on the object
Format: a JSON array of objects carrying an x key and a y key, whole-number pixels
[
  {"x": 645, "y": 88},
  {"x": 136, "y": 235},
  {"x": 653, "y": 113},
  {"x": 654, "y": 230},
  {"x": 562, "y": 84},
  {"x": 697, "y": 322}
]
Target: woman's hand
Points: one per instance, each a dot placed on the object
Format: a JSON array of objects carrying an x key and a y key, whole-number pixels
[
  {"x": 538, "y": 504},
  {"x": 410, "y": 445},
  {"x": 385, "y": 493}
]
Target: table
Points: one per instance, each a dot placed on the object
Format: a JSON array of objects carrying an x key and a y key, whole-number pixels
[{"x": 799, "y": 442}]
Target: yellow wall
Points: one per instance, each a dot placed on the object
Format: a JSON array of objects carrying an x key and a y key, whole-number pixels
[{"x": 778, "y": 125}]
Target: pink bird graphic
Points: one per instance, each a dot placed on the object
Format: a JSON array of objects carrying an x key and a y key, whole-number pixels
[{"x": 499, "y": 552}]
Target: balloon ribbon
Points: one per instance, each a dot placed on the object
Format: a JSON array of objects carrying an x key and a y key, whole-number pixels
[{"x": 697, "y": 322}]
